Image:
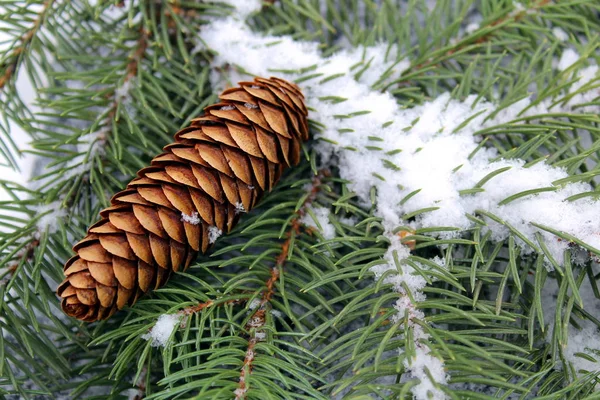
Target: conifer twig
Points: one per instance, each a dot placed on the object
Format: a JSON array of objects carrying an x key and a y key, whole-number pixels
[{"x": 258, "y": 319}]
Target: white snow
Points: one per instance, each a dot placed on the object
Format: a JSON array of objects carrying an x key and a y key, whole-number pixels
[
  {"x": 162, "y": 330},
  {"x": 243, "y": 8},
  {"x": 213, "y": 234},
  {"x": 350, "y": 221},
  {"x": 417, "y": 366},
  {"x": 239, "y": 208},
  {"x": 87, "y": 147},
  {"x": 518, "y": 9},
  {"x": 560, "y": 34},
  {"x": 122, "y": 92},
  {"x": 193, "y": 219},
  {"x": 472, "y": 27},
  {"x": 320, "y": 221},
  {"x": 50, "y": 213},
  {"x": 568, "y": 58}
]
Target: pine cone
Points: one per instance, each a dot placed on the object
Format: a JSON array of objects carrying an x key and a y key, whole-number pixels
[{"x": 218, "y": 166}]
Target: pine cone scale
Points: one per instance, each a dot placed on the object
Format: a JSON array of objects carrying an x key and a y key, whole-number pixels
[{"x": 189, "y": 195}]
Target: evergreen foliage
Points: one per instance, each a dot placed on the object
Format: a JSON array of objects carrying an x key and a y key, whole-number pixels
[{"x": 278, "y": 310}]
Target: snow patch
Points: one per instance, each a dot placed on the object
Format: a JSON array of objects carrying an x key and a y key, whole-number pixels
[
  {"x": 560, "y": 34},
  {"x": 472, "y": 27},
  {"x": 162, "y": 330},
  {"x": 239, "y": 208},
  {"x": 193, "y": 219},
  {"x": 243, "y": 8},
  {"x": 213, "y": 234},
  {"x": 568, "y": 58},
  {"x": 320, "y": 221},
  {"x": 50, "y": 214}
]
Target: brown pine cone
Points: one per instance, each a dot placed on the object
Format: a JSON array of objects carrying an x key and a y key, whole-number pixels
[{"x": 218, "y": 167}]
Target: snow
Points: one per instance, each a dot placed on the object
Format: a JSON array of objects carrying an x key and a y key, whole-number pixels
[
  {"x": 193, "y": 219},
  {"x": 472, "y": 27},
  {"x": 239, "y": 207},
  {"x": 560, "y": 34},
  {"x": 50, "y": 213},
  {"x": 213, "y": 234},
  {"x": 122, "y": 92},
  {"x": 568, "y": 58},
  {"x": 258, "y": 54},
  {"x": 318, "y": 218},
  {"x": 518, "y": 9},
  {"x": 162, "y": 330},
  {"x": 243, "y": 8},
  {"x": 417, "y": 366},
  {"x": 350, "y": 221}
]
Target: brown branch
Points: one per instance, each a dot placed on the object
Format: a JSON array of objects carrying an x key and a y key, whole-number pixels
[
  {"x": 258, "y": 319},
  {"x": 209, "y": 303},
  {"x": 25, "y": 41},
  {"x": 197, "y": 308},
  {"x": 138, "y": 54}
]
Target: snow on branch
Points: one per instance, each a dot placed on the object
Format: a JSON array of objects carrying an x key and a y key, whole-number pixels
[
  {"x": 430, "y": 148},
  {"x": 427, "y": 157},
  {"x": 163, "y": 329},
  {"x": 318, "y": 218},
  {"x": 243, "y": 8}
]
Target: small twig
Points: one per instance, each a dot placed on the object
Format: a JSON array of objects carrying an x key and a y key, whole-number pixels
[
  {"x": 138, "y": 54},
  {"x": 209, "y": 303},
  {"x": 197, "y": 308}
]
